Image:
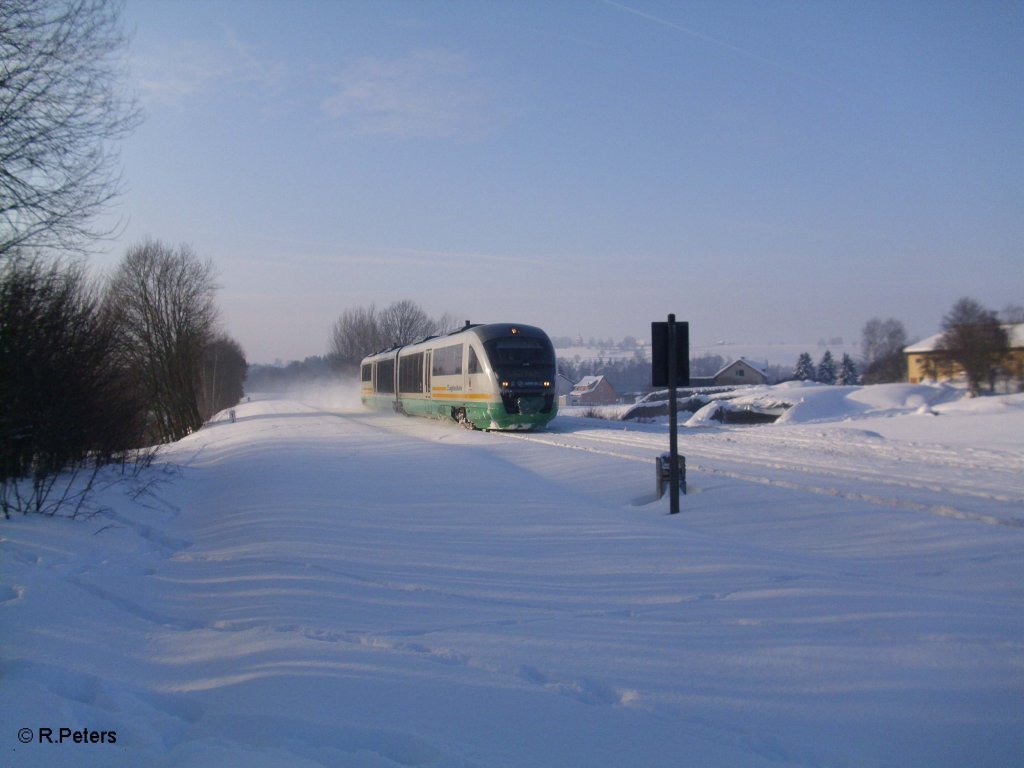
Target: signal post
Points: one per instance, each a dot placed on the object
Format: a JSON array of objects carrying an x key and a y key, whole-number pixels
[{"x": 670, "y": 366}]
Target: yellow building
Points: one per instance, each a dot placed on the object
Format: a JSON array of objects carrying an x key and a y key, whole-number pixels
[{"x": 925, "y": 361}]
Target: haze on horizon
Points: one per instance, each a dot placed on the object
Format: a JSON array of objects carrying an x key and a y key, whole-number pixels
[{"x": 769, "y": 172}]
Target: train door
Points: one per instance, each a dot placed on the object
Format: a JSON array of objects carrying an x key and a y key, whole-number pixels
[
  {"x": 426, "y": 374},
  {"x": 476, "y": 377}
]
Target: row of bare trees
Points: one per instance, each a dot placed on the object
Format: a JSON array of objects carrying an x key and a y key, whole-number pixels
[
  {"x": 360, "y": 331},
  {"x": 91, "y": 371},
  {"x": 88, "y": 370}
]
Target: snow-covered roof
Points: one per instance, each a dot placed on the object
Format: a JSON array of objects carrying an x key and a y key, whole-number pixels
[
  {"x": 756, "y": 366},
  {"x": 1014, "y": 332},
  {"x": 929, "y": 344},
  {"x": 587, "y": 383}
]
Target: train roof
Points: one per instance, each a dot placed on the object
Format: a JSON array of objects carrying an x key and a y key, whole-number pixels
[
  {"x": 494, "y": 330},
  {"x": 483, "y": 331}
]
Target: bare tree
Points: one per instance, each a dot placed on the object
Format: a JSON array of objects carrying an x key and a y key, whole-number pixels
[
  {"x": 447, "y": 322},
  {"x": 224, "y": 371},
  {"x": 163, "y": 298},
  {"x": 404, "y": 322},
  {"x": 1012, "y": 314},
  {"x": 364, "y": 330},
  {"x": 973, "y": 339},
  {"x": 706, "y": 365},
  {"x": 356, "y": 334},
  {"x": 882, "y": 343},
  {"x": 62, "y": 110}
]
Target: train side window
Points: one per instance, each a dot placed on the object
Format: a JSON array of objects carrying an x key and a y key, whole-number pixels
[
  {"x": 447, "y": 361},
  {"x": 367, "y": 372},
  {"x": 386, "y": 376},
  {"x": 410, "y": 373},
  {"x": 473, "y": 366}
]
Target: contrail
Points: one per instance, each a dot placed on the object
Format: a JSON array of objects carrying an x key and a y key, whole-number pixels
[{"x": 706, "y": 38}]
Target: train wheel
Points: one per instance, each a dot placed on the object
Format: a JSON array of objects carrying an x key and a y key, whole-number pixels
[{"x": 459, "y": 414}]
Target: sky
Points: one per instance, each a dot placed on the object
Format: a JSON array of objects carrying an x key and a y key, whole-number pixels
[{"x": 771, "y": 172}]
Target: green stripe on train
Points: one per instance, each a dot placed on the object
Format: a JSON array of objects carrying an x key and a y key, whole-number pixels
[{"x": 482, "y": 415}]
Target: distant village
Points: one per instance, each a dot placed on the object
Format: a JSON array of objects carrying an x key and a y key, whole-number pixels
[
  {"x": 597, "y": 389},
  {"x": 613, "y": 375},
  {"x": 597, "y": 372},
  {"x": 605, "y": 372}
]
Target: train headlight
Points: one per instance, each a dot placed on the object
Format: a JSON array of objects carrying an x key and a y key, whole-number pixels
[
  {"x": 504, "y": 384},
  {"x": 547, "y": 384}
]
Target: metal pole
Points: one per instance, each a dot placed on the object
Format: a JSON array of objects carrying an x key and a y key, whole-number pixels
[{"x": 673, "y": 442}]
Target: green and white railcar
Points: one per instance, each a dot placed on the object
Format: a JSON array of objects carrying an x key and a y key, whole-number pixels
[{"x": 495, "y": 376}]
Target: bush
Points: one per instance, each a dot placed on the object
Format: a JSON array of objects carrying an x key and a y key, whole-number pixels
[{"x": 65, "y": 399}]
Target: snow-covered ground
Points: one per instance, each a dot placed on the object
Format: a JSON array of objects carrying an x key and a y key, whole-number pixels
[{"x": 322, "y": 586}]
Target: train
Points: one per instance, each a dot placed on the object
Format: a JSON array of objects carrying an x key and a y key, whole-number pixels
[{"x": 494, "y": 376}]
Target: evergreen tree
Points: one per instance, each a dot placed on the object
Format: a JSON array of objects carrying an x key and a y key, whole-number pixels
[
  {"x": 804, "y": 370},
  {"x": 827, "y": 368},
  {"x": 847, "y": 371}
]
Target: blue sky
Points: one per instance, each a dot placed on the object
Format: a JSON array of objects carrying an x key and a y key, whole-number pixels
[{"x": 769, "y": 171}]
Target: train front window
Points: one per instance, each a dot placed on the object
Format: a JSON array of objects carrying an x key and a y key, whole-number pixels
[{"x": 518, "y": 355}]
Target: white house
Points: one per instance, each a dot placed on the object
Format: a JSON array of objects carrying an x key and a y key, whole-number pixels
[{"x": 740, "y": 371}]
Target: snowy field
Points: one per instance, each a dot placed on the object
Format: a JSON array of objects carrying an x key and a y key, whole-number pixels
[{"x": 315, "y": 585}]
